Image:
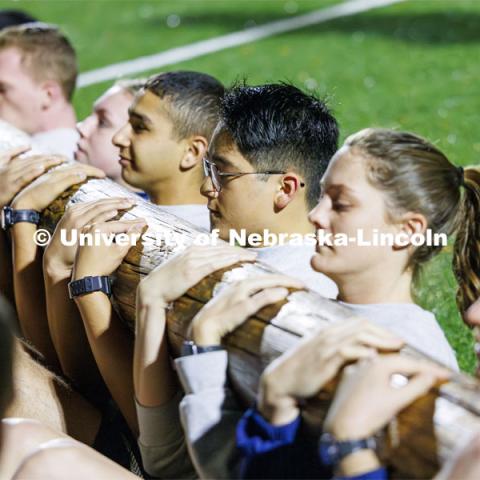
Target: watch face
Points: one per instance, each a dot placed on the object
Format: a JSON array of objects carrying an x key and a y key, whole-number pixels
[
  {"x": 6, "y": 217},
  {"x": 328, "y": 449}
]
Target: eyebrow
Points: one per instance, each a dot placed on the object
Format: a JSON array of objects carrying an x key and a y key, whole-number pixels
[
  {"x": 215, "y": 158},
  {"x": 139, "y": 116},
  {"x": 339, "y": 187}
]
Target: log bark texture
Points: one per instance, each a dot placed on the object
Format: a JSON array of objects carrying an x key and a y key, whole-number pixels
[{"x": 414, "y": 444}]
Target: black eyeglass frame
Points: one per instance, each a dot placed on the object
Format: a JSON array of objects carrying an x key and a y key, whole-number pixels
[{"x": 211, "y": 171}]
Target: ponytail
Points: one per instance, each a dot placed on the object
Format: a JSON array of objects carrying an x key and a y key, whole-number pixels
[{"x": 466, "y": 250}]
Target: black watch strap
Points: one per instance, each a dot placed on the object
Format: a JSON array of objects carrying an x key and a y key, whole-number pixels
[
  {"x": 333, "y": 451},
  {"x": 191, "y": 348},
  {"x": 88, "y": 285},
  {"x": 10, "y": 217}
]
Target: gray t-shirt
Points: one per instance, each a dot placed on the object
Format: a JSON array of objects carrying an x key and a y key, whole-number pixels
[
  {"x": 418, "y": 327},
  {"x": 294, "y": 260},
  {"x": 196, "y": 214}
]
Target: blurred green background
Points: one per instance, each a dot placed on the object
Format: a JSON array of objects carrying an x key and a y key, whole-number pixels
[{"x": 413, "y": 65}]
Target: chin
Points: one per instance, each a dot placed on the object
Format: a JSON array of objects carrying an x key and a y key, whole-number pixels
[
  {"x": 320, "y": 263},
  {"x": 218, "y": 224},
  {"x": 80, "y": 157}
]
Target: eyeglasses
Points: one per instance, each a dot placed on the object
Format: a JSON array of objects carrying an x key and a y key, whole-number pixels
[{"x": 211, "y": 170}]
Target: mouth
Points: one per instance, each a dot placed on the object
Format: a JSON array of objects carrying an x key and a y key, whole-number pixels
[
  {"x": 124, "y": 162},
  {"x": 214, "y": 213},
  {"x": 320, "y": 247},
  {"x": 79, "y": 152}
]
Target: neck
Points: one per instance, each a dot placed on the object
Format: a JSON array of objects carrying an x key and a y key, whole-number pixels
[
  {"x": 184, "y": 191},
  {"x": 60, "y": 116},
  {"x": 374, "y": 287},
  {"x": 123, "y": 183},
  {"x": 290, "y": 221}
]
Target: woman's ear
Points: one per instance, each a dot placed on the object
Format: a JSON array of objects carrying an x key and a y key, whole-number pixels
[
  {"x": 409, "y": 224},
  {"x": 196, "y": 149},
  {"x": 289, "y": 185}
]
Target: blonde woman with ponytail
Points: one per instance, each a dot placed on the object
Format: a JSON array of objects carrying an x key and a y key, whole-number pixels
[{"x": 395, "y": 182}]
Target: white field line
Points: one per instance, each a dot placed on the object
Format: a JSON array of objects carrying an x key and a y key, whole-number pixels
[{"x": 204, "y": 47}]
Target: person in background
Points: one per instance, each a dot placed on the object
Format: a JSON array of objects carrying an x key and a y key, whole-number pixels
[
  {"x": 38, "y": 72},
  {"x": 109, "y": 114}
]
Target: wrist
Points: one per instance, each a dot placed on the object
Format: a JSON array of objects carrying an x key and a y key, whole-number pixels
[
  {"x": 348, "y": 430},
  {"x": 21, "y": 204},
  {"x": 54, "y": 269},
  {"x": 83, "y": 271},
  {"x": 149, "y": 297},
  {"x": 358, "y": 463},
  {"x": 276, "y": 407},
  {"x": 204, "y": 334}
]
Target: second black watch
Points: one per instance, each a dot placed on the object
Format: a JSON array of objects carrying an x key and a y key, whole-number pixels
[{"x": 88, "y": 285}]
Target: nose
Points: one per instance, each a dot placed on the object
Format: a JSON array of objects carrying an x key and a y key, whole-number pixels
[
  {"x": 122, "y": 137},
  {"x": 207, "y": 189},
  {"x": 319, "y": 217},
  {"x": 85, "y": 127}
]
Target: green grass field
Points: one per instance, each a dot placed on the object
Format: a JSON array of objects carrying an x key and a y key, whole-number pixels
[{"x": 414, "y": 65}]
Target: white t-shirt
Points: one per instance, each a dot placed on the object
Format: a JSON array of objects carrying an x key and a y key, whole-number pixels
[
  {"x": 196, "y": 214},
  {"x": 418, "y": 327},
  {"x": 294, "y": 260},
  {"x": 61, "y": 141}
]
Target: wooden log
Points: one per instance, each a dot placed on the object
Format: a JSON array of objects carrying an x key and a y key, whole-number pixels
[{"x": 415, "y": 444}]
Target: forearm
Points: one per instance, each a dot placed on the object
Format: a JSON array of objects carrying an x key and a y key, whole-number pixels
[
  {"x": 30, "y": 292},
  {"x": 209, "y": 413},
  {"x": 154, "y": 378},
  {"x": 112, "y": 348},
  {"x": 68, "y": 333},
  {"x": 6, "y": 274}
]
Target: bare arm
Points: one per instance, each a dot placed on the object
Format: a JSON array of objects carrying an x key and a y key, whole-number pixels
[
  {"x": 64, "y": 319},
  {"x": 27, "y": 257},
  {"x": 110, "y": 341}
]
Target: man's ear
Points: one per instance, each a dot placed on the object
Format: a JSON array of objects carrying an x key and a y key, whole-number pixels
[
  {"x": 290, "y": 183},
  {"x": 409, "y": 224},
  {"x": 52, "y": 92},
  {"x": 196, "y": 149}
]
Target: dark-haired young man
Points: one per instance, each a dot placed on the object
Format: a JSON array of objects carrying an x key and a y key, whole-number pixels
[
  {"x": 162, "y": 146},
  {"x": 264, "y": 163}
]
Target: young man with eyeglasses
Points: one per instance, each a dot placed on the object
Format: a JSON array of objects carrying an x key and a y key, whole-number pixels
[{"x": 263, "y": 169}]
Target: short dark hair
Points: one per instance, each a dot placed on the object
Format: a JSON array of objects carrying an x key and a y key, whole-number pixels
[
  {"x": 194, "y": 100},
  {"x": 6, "y": 355},
  {"x": 277, "y": 126},
  {"x": 46, "y": 53}
]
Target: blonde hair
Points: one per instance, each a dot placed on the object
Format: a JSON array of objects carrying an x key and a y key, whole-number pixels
[
  {"x": 46, "y": 53},
  {"x": 417, "y": 176}
]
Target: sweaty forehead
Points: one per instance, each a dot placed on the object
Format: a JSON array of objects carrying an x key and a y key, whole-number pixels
[
  {"x": 223, "y": 151},
  {"x": 150, "y": 106},
  {"x": 114, "y": 98},
  {"x": 347, "y": 170},
  {"x": 11, "y": 63}
]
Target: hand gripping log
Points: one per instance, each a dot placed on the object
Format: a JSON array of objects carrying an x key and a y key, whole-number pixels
[{"x": 420, "y": 439}]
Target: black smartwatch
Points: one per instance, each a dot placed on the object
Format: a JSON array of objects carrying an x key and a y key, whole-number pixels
[
  {"x": 10, "y": 217},
  {"x": 191, "y": 348},
  {"x": 333, "y": 451},
  {"x": 88, "y": 285}
]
